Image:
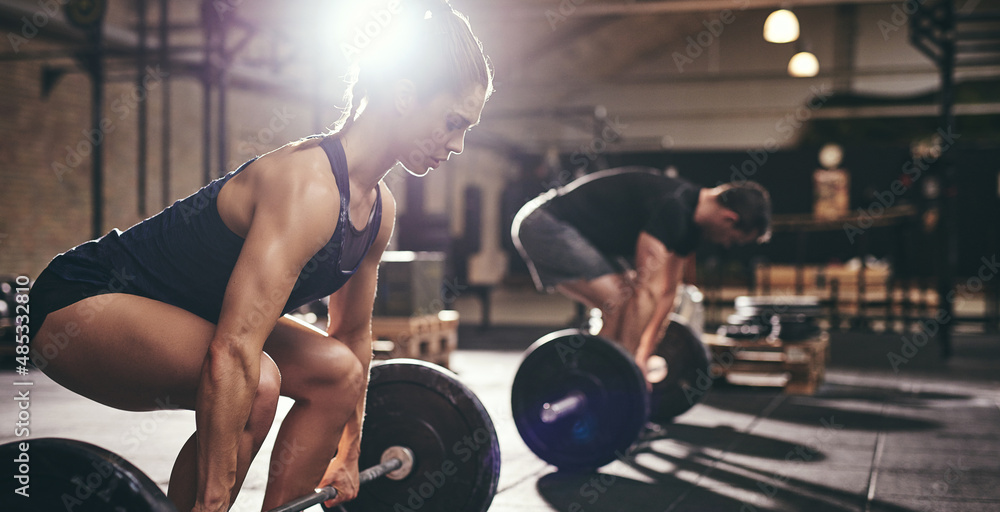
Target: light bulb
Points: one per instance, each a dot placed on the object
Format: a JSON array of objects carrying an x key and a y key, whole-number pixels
[
  {"x": 803, "y": 65},
  {"x": 781, "y": 27}
]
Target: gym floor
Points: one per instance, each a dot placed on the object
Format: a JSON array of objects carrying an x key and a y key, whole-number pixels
[{"x": 870, "y": 439}]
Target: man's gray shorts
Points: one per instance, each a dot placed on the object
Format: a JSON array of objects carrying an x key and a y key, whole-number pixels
[{"x": 554, "y": 250}]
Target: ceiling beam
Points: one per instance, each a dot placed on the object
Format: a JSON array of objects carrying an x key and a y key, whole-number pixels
[
  {"x": 667, "y": 79},
  {"x": 120, "y": 41},
  {"x": 655, "y": 115},
  {"x": 519, "y": 10}
]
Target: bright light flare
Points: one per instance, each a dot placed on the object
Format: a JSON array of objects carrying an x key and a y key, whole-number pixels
[{"x": 375, "y": 31}]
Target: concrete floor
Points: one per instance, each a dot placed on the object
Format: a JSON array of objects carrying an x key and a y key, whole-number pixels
[
  {"x": 864, "y": 442},
  {"x": 872, "y": 439}
]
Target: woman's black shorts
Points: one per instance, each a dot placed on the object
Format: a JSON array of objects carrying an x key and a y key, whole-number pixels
[{"x": 50, "y": 292}]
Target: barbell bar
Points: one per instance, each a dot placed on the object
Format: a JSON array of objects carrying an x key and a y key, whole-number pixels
[
  {"x": 397, "y": 461},
  {"x": 424, "y": 431},
  {"x": 572, "y": 402}
]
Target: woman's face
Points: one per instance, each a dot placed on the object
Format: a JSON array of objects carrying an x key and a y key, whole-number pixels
[{"x": 434, "y": 129}]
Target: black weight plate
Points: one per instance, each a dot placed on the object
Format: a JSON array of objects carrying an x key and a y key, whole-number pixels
[
  {"x": 740, "y": 319},
  {"x": 617, "y": 403},
  {"x": 687, "y": 378},
  {"x": 767, "y": 319},
  {"x": 798, "y": 331},
  {"x": 72, "y": 475},
  {"x": 425, "y": 408},
  {"x": 745, "y": 332}
]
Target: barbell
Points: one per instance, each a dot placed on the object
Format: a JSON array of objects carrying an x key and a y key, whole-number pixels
[
  {"x": 426, "y": 433},
  {"x": 579, "y": 401}
]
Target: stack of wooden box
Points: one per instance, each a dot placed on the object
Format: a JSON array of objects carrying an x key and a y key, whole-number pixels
[
  {"x": 798, "y": 366},
  {"x": 427, "y": 337}
]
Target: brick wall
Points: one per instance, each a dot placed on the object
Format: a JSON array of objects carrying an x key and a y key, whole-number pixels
[
  {"x": 40, "y": 213},
  {"x": 45, "y": 166}
]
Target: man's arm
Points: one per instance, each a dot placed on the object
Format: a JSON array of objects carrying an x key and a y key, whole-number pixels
[
  {"x": 282, "y": 236},
  {"x": 350, "y": 321},
  {"x": 658, "y": 273}
]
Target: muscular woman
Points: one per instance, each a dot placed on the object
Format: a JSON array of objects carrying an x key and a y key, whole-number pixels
[{"x": 187, "y": 307}]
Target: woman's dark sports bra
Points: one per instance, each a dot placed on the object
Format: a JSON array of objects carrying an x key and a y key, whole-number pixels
[{"x": 185, "y": 254}]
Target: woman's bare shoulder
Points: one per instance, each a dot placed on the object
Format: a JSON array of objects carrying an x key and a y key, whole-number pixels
[{"x": 294, "y": 172}]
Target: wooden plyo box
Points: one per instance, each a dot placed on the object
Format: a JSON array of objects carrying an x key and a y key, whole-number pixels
[
  {"x": 429, "y": 338},
  {"x": 409, "y": 284},
  {"x": 798, "y": 366}
]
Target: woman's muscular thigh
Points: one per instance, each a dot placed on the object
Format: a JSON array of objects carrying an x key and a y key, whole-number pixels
[
  {"x": 125, "y": 351},
  {"x": 311, "y": 362}
]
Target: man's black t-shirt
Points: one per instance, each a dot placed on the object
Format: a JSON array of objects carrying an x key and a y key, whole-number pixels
[{"x": 610, "y": 208}]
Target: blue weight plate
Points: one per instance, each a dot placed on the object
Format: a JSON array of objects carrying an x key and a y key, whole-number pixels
[{"x": 617, "y": 402}]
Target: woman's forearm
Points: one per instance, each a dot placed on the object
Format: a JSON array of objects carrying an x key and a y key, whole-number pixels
[
  {"x": 349, "y": 447},
  {"x": 225, "y": 393}
]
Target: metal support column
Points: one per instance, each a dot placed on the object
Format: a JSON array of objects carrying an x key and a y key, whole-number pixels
[
  {"x": 94, "y": 61},
  {"x": 142, "y": 131},
  {"x": 207, "y": 80},
  {"x": 933, "y": 32},
  {"x": 165, "y": 110},
  {"x": 221, "y": 71},
  {"x": 949, "y": 224},
  {"x": 89, "y": 17},
  {"x": 846, "y": 29}
]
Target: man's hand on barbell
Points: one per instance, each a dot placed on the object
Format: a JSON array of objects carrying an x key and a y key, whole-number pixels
[{"x": 642, "y": 360}]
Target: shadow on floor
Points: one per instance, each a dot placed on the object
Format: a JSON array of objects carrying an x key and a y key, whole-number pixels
[
  {"x": 725, "y": 438},
  {"x": 759, "y": 489},
  {"x": 873, "y": 393},
  {"x": 912, "y": 400},
  {"x": 812, "y": 410},
  {"x": 697, "y": 482},
  {"x": 603, "y": 492}
]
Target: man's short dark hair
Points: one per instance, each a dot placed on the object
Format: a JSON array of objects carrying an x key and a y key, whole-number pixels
[{"x": 752, "y": 203}]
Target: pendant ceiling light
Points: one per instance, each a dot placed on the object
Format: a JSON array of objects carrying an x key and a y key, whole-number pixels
[
  {"x": 803, "y": 65},
  {"x": 781, "y": 27}
]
